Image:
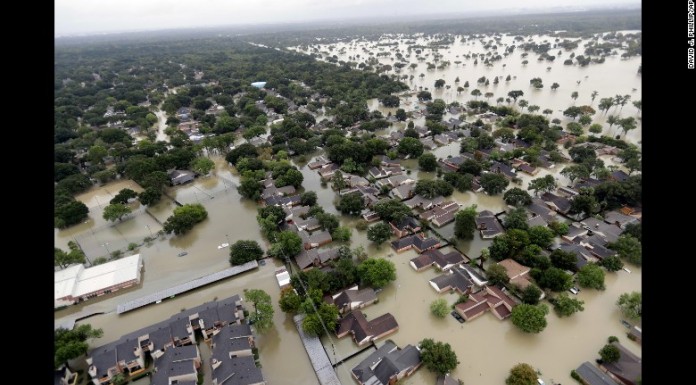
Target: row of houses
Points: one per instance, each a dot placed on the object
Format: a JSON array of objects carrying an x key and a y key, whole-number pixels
[{"x": 172, "y": 346}]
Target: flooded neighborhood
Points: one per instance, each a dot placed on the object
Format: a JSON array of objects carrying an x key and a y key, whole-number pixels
[{"x": 321, "y": 167}]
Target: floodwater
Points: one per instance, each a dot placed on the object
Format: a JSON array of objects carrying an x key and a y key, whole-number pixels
[
  {"x": 615, "y": 76},
  {"x": 486, "y": 347}
]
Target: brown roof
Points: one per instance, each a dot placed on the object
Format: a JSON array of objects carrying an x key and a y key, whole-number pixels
[
  {"x": 361, "y": 328},
  {"x": 513, "y": 268}
]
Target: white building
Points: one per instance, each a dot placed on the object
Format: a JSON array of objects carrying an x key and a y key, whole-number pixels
[{"x": 76, "y": 283}]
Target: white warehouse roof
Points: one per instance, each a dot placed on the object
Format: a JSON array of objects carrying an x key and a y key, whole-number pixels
[{"x": 77, "y": 281}]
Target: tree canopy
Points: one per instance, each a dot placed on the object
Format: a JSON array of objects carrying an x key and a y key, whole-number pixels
[
  {"x": 243, "y": 251},
  {"x": 530, "y": 318},
  {"x": 377, "y": 272},
  {"x": 262, "y": 316},
  {"x": 522, "y": 374},
  {"x": 184, "y": 218},
  {"x": 70, "y": 344},
  {"x": 438, "y": 357}
]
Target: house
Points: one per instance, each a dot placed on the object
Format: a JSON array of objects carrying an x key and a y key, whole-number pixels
[
  {"x": 313, "y": 257},
  {"x": 607, "y": 232},
  {"x": 235, "y": 370},
  {"x": 428, "y": 143},
  {"x": 272, "y": 190},
  {"x": 627, "y": 370},
  {"x": 452, "y": 163},
  {"x": 364, "y": 331},
  {"x": 488, "y": 225},
  {"x": 424, "y": 203},
  {"x": 619, "y": 219},
  {"x": 454, "y": 279},
  {"x": 441, "y": 140},
  {"x": 377, "y": 173},
  {"x": 417, "y": 241},
  {"x": 444, "y": 218},
  {"x": 318, "y": 162},
  {"x": 404, "y": 191},
  {"x": 593, "y": 376},
  {"x": 395, "y": 181},
  {"x": 539, "y": 209},
  {"x": 528, "y": 169},
  {"x": 370, "y": 216},
  {"x": 516, "y": 273},
  {"x": 292, "y": 213},
  {"x": 408, "y": 225},
  {"x": 502, "y": 168},
  {"x": 355, "y": 180},
  {"x": 582, "y": 255},
  {"x": 388, "y": 162},
  {"x": 315, "y": 239},
  {"x": 422, "y": 131},
  {"x": 327, "y": 171},
  {"x": 618, "y": 176},
  {"x": 441, "y": 215},
  {"x": 438, "y": 259},
  {"x": 177, "y": 366},
  {"x": 557, "y": 203},
  {"x": 475, "y": 275},
  {"x": 387, "y": 365},
  {"x": 491, "y": 298},
  {"x": 352, "y": 298},
  {"x": 309, "y": 224},
  {"x": 178, "y": 177}
]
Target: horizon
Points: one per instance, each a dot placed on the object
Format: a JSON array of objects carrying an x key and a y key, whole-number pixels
[{"x": 117, "y": 18}]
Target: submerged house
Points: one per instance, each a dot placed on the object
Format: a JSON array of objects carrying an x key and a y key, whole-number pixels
[
  {"x": 490, "y": 299},
  {"x": 364, "y": 331},
  {"x": 387, "y": 365}
]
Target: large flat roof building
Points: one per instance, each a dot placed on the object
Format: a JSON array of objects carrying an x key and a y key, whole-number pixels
[{"x": 76, "y": 283}]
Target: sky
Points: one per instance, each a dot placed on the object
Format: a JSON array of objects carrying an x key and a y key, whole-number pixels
[{"x": 103, "y": 16}]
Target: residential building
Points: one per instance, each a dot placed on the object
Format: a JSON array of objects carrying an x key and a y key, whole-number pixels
[
  {"x": 491, "y": 298},
  {"x": 488, "y": 225},
  {"x": 387, "y": 365},
  {"x": 178, "y": 177},
  {"x": 591, "y": 375},
  {"x": 417, "y": 241},
  {"x": 627, "y": 370},
  {"x": 364, "y": 331},
  {"x": 352, "y": 298},
  {"x": 438, "y": 259}
]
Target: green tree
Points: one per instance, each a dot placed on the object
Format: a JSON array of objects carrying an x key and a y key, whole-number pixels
[
  {"x": 439, "y": 83},
  {"x": 116, "y": 211},
  {"x": 427, "y": 162},
  {"x": 391, "y": 210},
  {"x": 563, "y": 260},
  {"x": 341, "y": 234},
  {"x": 288, "y": 244},
  {"x": 379, "y": 233},
  {"x": 516, "y": 219},
  {"x": 242, "y": 252},
  {"x": 574, "y": 95},
  {"x": 250, "y": 188},
  {"x": 65, "y": 259},
  {"x": 376, "y": 272},
  {"x": 71, "y": 344},
  {"x": 465, "y": 223},
  {"x": 493, "y": 183},
  {"x": 324, "y": 319},
  {"x": 351, "y": 204},
  {"x": 559, "y": 228},
  {"x": 411, "y": 147},
  {"x": 531, "y": 294},
  {"x": 555, "y": 279},
  {"x": 150, "y": 196},
  {"x": 202, "y": 165},
  {"x": 517, "y": 197},
  {"x": 541, "y": 236},
  {"x": 610, "y": 353},
  {"x": 439, "y": 308},
  {"x": 184, "y": 218},
  {"x": 308, "y": 198},
  {"x": 592, "y": 276},
  {"x": 497, "y": 275},
  {"x": 628, "y": 248},
  {"x": 596, "y": 128},
  {"x": 543, "y": 184},
  {"x": 554, "y": 86},
  {"x": 612, "y": 263},
  {"x": 522, "y": 374},
  {"x": 262, "y": 316},
  {"x": 119, "y": 378},
  {"x": 515, "y": 94},
  {"x": 69, "y": 213},
  {"x": 438, "y": 357},
  {"x": 289, "y": 301},
  {"x": 123, "y": 196},
  {"x": 565, "y": 306},
  {"x": 530, "y": 318},
  {"x": 631, "y": 304}
]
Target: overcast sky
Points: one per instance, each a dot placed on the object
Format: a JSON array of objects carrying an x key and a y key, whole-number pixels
[{"x": 96, "y": 16}]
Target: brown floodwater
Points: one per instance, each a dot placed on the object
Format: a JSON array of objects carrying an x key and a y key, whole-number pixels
[{"x": 486, "y": 347}]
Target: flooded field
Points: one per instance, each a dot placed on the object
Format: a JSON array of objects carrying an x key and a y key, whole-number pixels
[{"x": 616, "y": 76}]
